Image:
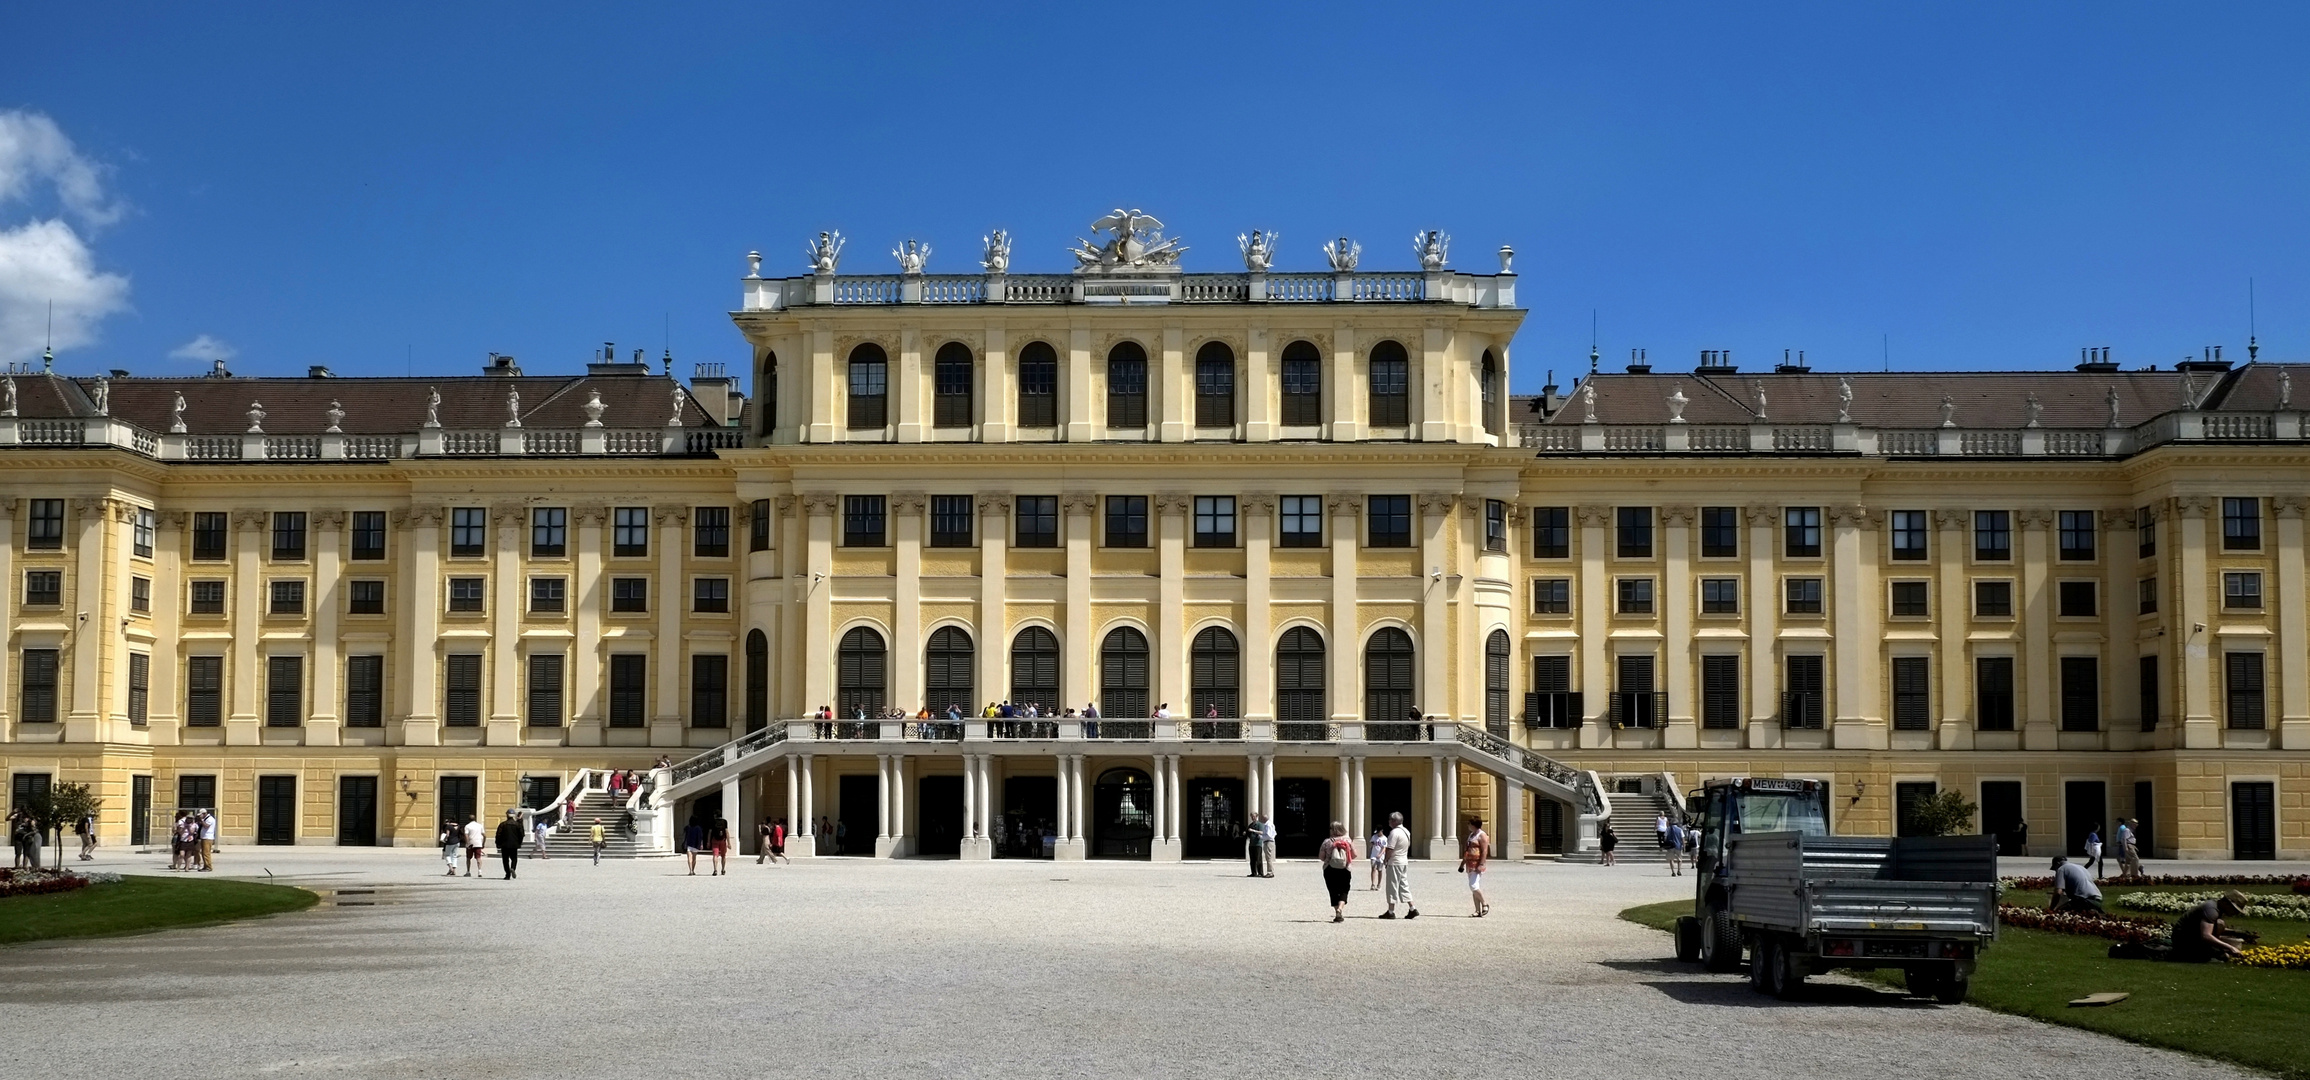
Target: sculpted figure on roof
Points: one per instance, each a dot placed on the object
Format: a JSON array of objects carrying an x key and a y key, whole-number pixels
[
  {"x": 1135, "y": 242},
  {"x": 1431, "y": 246}
]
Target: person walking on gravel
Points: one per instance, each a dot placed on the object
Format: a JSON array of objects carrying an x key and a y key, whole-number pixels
[
  {"x": 1379, "y": 856},
  {"x": 1254, "y": 843},
  {"x": 718, "y": 835},
  {"x": 1675, "y": 849},
  {"x": 599, "y": 841},
  {"x": 537, "y": 837},
  {"x": 1606, "y": 841},
  {"x": 778, "y": 843},
  {"x": 510, "y": 834},
  {"x": 452, "y": 841},
  {"x": 476, "y": 841},
  {"x": 1399, "y": 859},
  {"x": 1475, "y": 850},
  {"x": 1267, "y": 842},
  {"x": 1338, "y": 856}
]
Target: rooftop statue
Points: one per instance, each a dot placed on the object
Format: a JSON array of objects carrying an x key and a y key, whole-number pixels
[
  {"x": 1844, "y": 400},
  {"x": 336, "y": 415},
  {"x": 825, "y": 252},
  {"x": 1137, "y": 243},
  {"x": 10, "y": 408},
  {"x": 2113, "y": 406},
  {"x": 2034, "y": 409},
  {"x": 1342, "y": 255},
  {"x": 256, "y": 418},
  {"x": 175, "y": 412},
  {"x": 681, "y": 398},
  {"x": 1258, "y": 250},
  {"x": 513, "y": 408},
  {"x": 998, "y": 257},
  {"x": 2285, "y": 389},
  {"x": 433, "y": 406},
  {"x": 593, "y": 408},
  {"x": 1758, "y": 389},
  {"x": 1676, "y": 403},
  {"x": 1588, "y": 402},
  {"x": 1948, "y": 412},
  {"x": 911, "y": 256},
  {"x": 1430, "y": 246},
  {"x": 103, "y": 397}
]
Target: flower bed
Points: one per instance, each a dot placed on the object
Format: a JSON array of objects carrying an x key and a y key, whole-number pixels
[
  {"x": 2302, "y": 886},
  {"x": 36, "y": 882},
  {"x": 2258, "y": 905},
  {"x": 2045, "y": 882},
  {"x": 2296, "y": 957},
  {"x": 2142, "y": 930}
]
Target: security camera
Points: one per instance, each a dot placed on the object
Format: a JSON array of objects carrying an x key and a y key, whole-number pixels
[
  {"x": 2197, "y": 628},
  {"x": 81, "y": 616}
]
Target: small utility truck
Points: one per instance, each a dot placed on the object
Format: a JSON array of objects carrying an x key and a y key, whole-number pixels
[{"x": 1771, "y": 880}]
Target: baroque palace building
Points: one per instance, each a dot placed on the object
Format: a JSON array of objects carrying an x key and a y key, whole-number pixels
[{"x": 1286, "y": 531}]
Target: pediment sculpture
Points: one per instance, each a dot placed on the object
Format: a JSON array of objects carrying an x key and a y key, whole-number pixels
[{"x": 1134, "y": 241}]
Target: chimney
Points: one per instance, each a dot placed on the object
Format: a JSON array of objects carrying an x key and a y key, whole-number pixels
[
  {"x": 319, "y": 371},
  {"x": 1638, "y": 363},
  {"x": 2095, "y": 360},
  {"x": 1791, "y": 367},
  {"x": 716, "y": 393},
  {"x": 2209, "y": 360},
  {"x": 501, "y": 366},
  {"x": 1716, "y": 362},
  {"x": 120, "y": 373},
  {"x": 217, "y": 369}
]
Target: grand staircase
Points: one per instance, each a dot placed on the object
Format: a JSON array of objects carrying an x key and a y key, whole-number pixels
[
  {"x": 1632, "y": 818},
  {"x": 575, "y": 841}
]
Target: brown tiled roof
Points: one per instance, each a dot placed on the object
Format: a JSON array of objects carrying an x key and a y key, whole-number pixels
[
  {"x": 1983, "y": 399},
  {"x": 372, "y": 405}
]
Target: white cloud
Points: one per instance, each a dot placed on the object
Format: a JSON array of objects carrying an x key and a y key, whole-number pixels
[
  {"x": 203, "y": 348},
  {"x": 33, "y": 149},
  {"x": 46, "y": 268}
]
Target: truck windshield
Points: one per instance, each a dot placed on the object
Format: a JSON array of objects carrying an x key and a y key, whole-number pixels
[{"x": 1763, "y": 811}]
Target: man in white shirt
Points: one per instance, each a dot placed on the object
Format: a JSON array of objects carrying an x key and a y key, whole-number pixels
[
  {"x": 208, "y": 840},
  {"x": 1399, "y": 852},
  {"x": 1267, "y": 842},
  {"x": 476, "y": 838}
]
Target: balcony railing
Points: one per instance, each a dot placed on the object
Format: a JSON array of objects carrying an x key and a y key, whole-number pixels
[
  {"x": 1307, "y": 731},
  {"x": 1118, "y": 729},
  {"x": 1215, "y": 729},
  {"x": 1022, "y": 729},
  {"x": 934, "y": 730},
  {"x": 99, "y": 432},
  {"x": 1094, "y": 287},
  {"x": 1398, "y": 731},
  {"x": 1801, "y": 709},
  {"x": 1762, "y": 437}
]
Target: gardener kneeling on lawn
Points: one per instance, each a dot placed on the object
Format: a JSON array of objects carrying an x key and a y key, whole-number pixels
[
  {"x": 2198, "y": 936},
  {"x": 2073, "y": 889}
]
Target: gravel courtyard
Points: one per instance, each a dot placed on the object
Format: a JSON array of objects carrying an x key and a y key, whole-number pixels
[{"x": 1005, "y": 969}]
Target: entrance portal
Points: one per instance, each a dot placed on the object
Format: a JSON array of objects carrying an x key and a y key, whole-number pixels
[
  {"x": 2085, "y": 806},
  {"x": 1214, "y": 819},
  {"x": 1122, "y": 815},
  {"x": 357, "y": 811},
  {"x": 938, "y": 816},
  {"x": 1030, "y": 815},
  {"x": 1302, "y": 816},
  {"x": 1391, "y": 795},
  {"x": 2001, "y": 815},
  {"x": 276, "y": 809},
  {"x": 860, "y": 815}
]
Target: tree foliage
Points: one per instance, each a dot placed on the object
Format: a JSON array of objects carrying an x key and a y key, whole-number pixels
[{"x": 1946, "y": 813}]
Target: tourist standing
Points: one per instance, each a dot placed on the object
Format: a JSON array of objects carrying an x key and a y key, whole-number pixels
[
  {"x": 85, "y": 828},
  {"x": 452, "y": 841},
  {"x": 537, "y": 837},
  {"x": 208, "y": 841},
  {"x": 509, "y": 838},
  {"x": 1475, "y": 851},
  {"x": 1606, "y": 841},
  {"x": 693, "y": 838},
  {"x": 1675, "y": 849},
  {"x": 476, "y": 841},
  {"x": 1267, "y": 841},
  {"x": 1254, "y": 843},
  {"x": 2132, "y": 851},
  {"x": 1338, "y": 857},
  {"x": 718, "y": 836},
  {"x": 1379, "y": 855},
  {"x": 1399, "y": 858},
  {"x": 599, "y": 842},
  {"x": 762, "y": 834},
  {"x": 1660, "y": 830}
]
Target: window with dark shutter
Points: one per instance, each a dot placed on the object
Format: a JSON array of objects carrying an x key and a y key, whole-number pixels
[
  {"x": 629, "y": 689},
  {"x": 204, "y": 691},
  {"x": 1388, "y": 676},
  {"x": 757, "y": 680},
  {"x": 1496, "y": 683},
  {"x": 2242, "y": 684},
  {"x": 365, "y": 691},
  {"x": 1123, "y": 674},
  {"x": 1299, "y": 677},
  {"x": 948, "y": 664},
  {"x": 545, "y": 688},
  {"x": 1127, "y": 386},
  {"x": 1038, "y": 386},
  {"x": 1801, "y": 705},
  {"x": 869, "y": 387},
  {"x": 461, "y": 704},
  {"x": 1214, "y": 386},
  {"x": 1993, "y": 693},
  {"x": 2148, "y": 688},
  {"x": 1035, "y": 670},
  {"x": 1912, "y": 693},
  {"x": 710, "y": 690},
  {"x": 1720, "y": 691},
  {"x": 951, "y": 377},
  {"x": 2080, "y": 693},
  {"x": 284, "y": 691},
  {"x": 1391, "y": 397},
  {"x": 1302, "y": 385},
  {"x": 860, "y": 667},
  {"x": 1215, "y": 675},
  {"x": 139, "y": 688}
]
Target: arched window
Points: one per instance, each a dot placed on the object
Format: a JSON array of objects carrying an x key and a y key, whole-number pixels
[
  {"x": 1038, "y": 386},
  {"x": 951, "y": 376},
  {"x": 869, "y": 387},
  {"x": 1302, "y": 385},
  {"x": 1215, "y": 675},
  {"x": 1127, "y": 386},
  {"x": 1214, "y": 387},
  {"x": 859, "y": 668},
  {"x": 1035, "y": 669},
  {"x": 757, "y": 680},
  {"x": 766, "y": 394},
  {"x": 1299, "y": 683},
  {"x": 1490, "y": 374},
  {"x": 1391, "y": 391},
  {"x": 1388, "y": 676},
  {"x": 946, "y": 672},
  {"x": 1496, "y": 683},
  {"x": 1123, "y": 674}
]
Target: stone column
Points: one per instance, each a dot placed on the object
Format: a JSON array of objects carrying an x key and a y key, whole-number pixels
[
  {"x": 1252, "y": 788},
  {"x": 1155, "y": 842},
  {"x": 586, "y": 603},
  {"x": 1175, "y": 399},
  {"x": 1082, "y": 804},
  {"x": 1344, "y": 638},
  {"x": 906, "y": 510},
  {"x": 1170, "y": 651},
  {"x": 1258, "y": 389},
  {"x": 1360, "y": 810},
  {"x": 1075, "y": 637},
  {"x": 505, "y": 632},
  {"x": 1764, "y": 620},
  {"x": 1434, "y": 694},
  {"x": 1852, "y": 587},
  {"x": 737, "y": 813},
  {"x": 243, "y": 721},
  {"x": 1267, "y": 785},
  {"x": 322, "y": 723},
  {"x": 899, "y": 848},
  {"x": 1451, "y": 818},
  {"x": 818, "y": 621},
  {"x": 1343, "y": 797},
  {"x": 911, "y": 415},
  {"x": 1257, "y": 521},
  {"x": 671, "y": 536},
  {"x": 2201, "y": 726},
  {"x": 793, "y": 795},
  {"x": 1076, "y": 381},
  {"x": 994, "y": 509},
  {"x": 805, "y": 838},
  {"x": 1065, "y": 804},
  {"x": 1436, "y": 807},
  {"x": 1509, "y": 828},
  {"x": 420, "y": 640},
  {"x": 1677, "y": 655},
  {"x": 1955, "y": 608},
  {"x": 2293, "y": 628},
  {"x": 2039, "y": 725},
  {"x": 1177, "y": 814},
  {"x": 1595, "y": 607}
]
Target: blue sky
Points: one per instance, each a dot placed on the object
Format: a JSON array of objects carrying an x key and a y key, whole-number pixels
[{"x": 1970, "y": 186}]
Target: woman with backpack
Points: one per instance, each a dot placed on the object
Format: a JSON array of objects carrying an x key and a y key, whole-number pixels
[{"x": 1338, "y": 855}]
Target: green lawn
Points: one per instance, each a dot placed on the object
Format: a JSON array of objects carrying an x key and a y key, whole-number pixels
[
  {"x": 139, "y": 904},
  {"x": 2250, "y": 1016}
]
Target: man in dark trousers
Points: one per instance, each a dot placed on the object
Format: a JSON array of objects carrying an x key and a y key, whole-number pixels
[{"x": 509, "y": 837}]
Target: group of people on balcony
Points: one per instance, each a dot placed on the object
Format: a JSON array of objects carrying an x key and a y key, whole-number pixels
[{"x": 994, "y": 710}]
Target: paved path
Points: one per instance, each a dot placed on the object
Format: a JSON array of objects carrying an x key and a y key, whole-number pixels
[{"x": 857, "y": 968}]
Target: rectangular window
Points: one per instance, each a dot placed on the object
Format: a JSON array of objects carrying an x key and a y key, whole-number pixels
[
  {"x": 1390, "y": 383},
  {"x": 1993, "y": 693},
  {"x": 140, "y": 595},
  {"x": 548, "y": 595},
  {"x": 1801, "y": 691},
  {"x": 710, "y": 532},
  {"x": 710, "y": 691},
  {"x": 1633, "y": 536},
  {"x": 1912, "y": 599},
  {"x": 43, "y": 588},
  {"x": 950, "y": 392},
  {"x": 862, "y": 520},
  {"x": 1214, "y": 521},
  {"x": 1993, "y": 535},
  {"x": 141, "y": 536},
  {"x": 461, "y": 706},
  {"x": 1495, "y": 525},
  {"x": 1720, "y": 532},
  {"x": 869, "y": 392},
  {"x": 288, "y": 598},
  {"x": 365, "y": 691},
  {"x": 468, "y": 531},
  {"x": 2075, "y": 599},
  {"x": 289, "y": 536},
  {"x": 208, "y": 598},
  {"x": 1391, "y": 521},
  {"x": 2076, "y": 532},
  {"x": 952, "y": 520},
  {"x": 196, "y": 791},
  {"x": 44, "y": 525},
  {"x": 548, "y": 532},
  {"x": 2146, "y": 531},
  {"x": 629, "y": 594},
  {"x": 1302, "y": 392},
  {"x": 1551, "y": 532},
  {"x": 710, "y": 595},
  {"x": 545, "y": 683},
  {"x": 1804, "y": 595},
  {"x": 2242, "y": 688},
  {"x": 758, "y": 526},
  {"x": 2080, "y": 693},
  {"x": 1126, "y": 392},
  {"x": 1720, "y": 596},
  {"x": 1301, "y": 521},
  {"x": 2242, "y": 591},
  {"x": 629, "y": 682},
  {"x": 465, "y": 593},
  {"x": 1039, "y": 387},
  {"x": 630, "y": 531},
  {"x": 368, "y": 535},
  {"x": 2147, "y": 687},
  {"x": 1909, "y": 537},
  {"x": 1635, "y": 703},
  {"x": 204, "y": 691},
  {"x": 1126, "y": 521},
  {"x": 1801, "y": 532},
  {"x": 139, "y": 688},
  {"x": 209, "y": 531},
  {"x": 1912, "y": 693},
  {"x": 1720, "y": 691},
  {"x": 1037, "y": 520},
  {"x": 1552, "y": 596},
  {"x": 2241, "y": 524},
  {"x": 1635, "y": 596},
  {"x": 365, "y": 597},
  {"x": 284, "y": 691},
  {"x": 1992, "y": 599}
]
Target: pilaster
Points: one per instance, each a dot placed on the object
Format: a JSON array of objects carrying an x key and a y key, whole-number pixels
[
  {"x": 1258, "y": 652},
  {"x": 1594, "y": 604},
  {"x": 243, "y": 724},
  {"x": 1345, "y": 645},
  {"x": 911, "y": 414},
  {"x": 1076, "y": 403},
  {"x": 1172, "y": 509},
  {"x": 2039, "y": 727},
  {"x": 998, "y": 386},
  {"x": 994, "y": 509},
  {"x": 85, "y": 711},
  {"x": 586, "y": 603},
  {"x": 1174, "y": 398},
  {"x": 323, "y": 723},
  {"x": 1764, "y": 620},
  {"x": 1952, "y": 610},
  {"x": 2293, "y": 629},
  {"x": 1260, "y": 387},
  {"x": 1853, "y": 594},
  {"x": 1676, "y": 589},
  {"x": 819, "y": 508},
  {"x": 1434, "y": 695},
  {"x": 508, "y": 522},
  {"x": 1343, "y": 393},
  {"x": 670, "y": 532},
  {"x": 906, "y": 510},
  {"x": 420, "y": 542}
]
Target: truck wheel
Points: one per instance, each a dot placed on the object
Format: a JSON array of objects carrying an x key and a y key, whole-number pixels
[
  {"x": 1720, "y": 942},
  {"x": 1687, "y": 939},
  {"x": 1788, "y": 971},
  {"x": 1952, "y": 989},
  {"x": 1763, "y": 957}
]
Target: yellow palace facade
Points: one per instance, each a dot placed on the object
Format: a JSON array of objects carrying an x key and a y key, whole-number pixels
[{"x": 1286, "y": 533}]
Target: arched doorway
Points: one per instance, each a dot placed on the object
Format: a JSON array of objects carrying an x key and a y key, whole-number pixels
[
  {"x": 1302, "y": 815},
  {"x": 1035, "y": 670},
  {"x": 859, "y": 670},
  {"x": 1122, "y": 814},
  {"x": 1214, "y": 817},
  {"x": 947, "y": 664},
  {"x": 1123, "y": 675},
  {"x": 1388, "y": 676},
  {"x": 1299, "y": 682}
]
